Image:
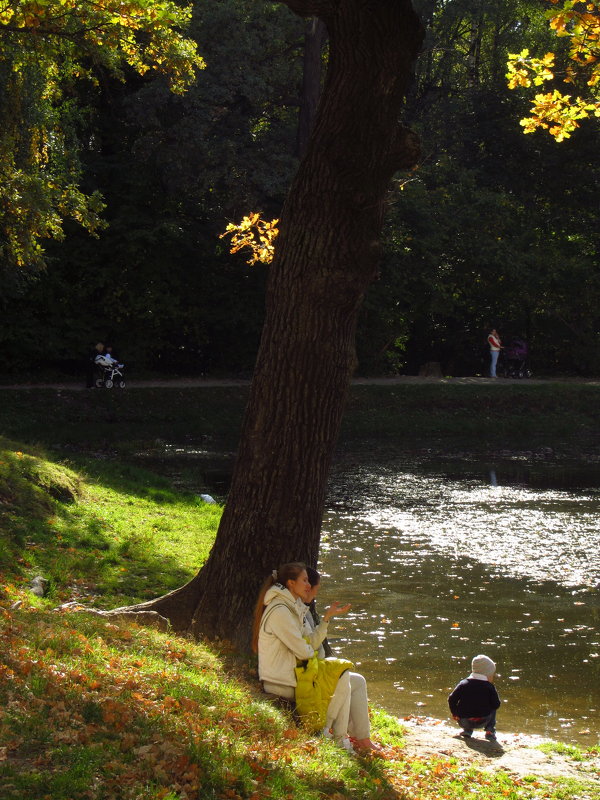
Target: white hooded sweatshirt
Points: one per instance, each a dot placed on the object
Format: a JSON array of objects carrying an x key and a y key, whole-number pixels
[{"x": 280, "y": 642}]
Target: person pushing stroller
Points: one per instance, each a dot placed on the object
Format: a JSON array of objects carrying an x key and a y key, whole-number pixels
[{"x": 110, "y": 370}]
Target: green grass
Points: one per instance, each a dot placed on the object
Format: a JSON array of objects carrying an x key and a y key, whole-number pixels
[
  {"x": 121, "y": 421},
  {"x": 570, "y": 789},
  {"x": 571, "y": 751},
  {"x": 110, "y": 532},
  {"x": 475, "y": 416}
]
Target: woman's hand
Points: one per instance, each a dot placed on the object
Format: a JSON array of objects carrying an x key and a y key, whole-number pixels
[{"x": 335, "y": 609}]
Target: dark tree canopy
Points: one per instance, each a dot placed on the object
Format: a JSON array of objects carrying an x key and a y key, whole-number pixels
[{"x": 491, "y": 226}]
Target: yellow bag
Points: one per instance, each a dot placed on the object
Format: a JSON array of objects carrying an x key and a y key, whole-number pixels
[{"x": 316, "y": 682}]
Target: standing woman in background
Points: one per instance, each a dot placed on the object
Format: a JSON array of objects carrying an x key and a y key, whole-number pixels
[{"x": 495, "y": 347}]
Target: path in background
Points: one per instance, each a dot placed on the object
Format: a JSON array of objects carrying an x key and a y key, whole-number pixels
[{"x": 182, "y": 383}]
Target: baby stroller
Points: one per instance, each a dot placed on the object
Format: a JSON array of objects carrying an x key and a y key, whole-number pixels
[
  {"x": 515, "y": 359},
  {"x": 108, "y": 373}
]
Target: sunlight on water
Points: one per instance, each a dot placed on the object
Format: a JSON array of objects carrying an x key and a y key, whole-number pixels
[
  {"x": 517, "y": 531},
  {"x": 439, "y": 570}
]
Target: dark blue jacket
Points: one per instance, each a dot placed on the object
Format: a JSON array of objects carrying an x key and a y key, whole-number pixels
[{"x": 473, "y": 697}]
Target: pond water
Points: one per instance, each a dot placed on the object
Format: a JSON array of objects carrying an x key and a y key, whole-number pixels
[{"x": 445, "y": 561}]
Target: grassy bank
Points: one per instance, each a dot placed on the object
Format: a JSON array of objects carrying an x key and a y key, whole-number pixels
[
  {"x": 93, "y": 709},
  {"x": 119, "y": 533},
  {"x": 476, "y": 416}
]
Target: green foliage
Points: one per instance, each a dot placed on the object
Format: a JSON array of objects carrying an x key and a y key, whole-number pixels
[
  {"x": 40, "y": 169},
  {"x": 51, "y": 53},
  {"x": 173, "y": 170},
  {"x": 492, "y": 228}
]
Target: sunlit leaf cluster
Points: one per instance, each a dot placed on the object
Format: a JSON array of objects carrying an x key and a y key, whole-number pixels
[
  {"x": 555, "y": 111},
  {"x": 142, "y": 34},
  {"x": 256, "y": 234}
]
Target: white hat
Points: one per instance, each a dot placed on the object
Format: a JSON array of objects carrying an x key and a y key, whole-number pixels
[{"x": 483, "y": 665}]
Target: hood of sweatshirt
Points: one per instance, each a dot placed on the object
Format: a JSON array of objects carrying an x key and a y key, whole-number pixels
[{"x": 278, "y": 593}]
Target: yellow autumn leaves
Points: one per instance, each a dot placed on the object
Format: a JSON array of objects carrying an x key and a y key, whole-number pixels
[
  {"x": 555, "y": 111},
  {"x": 147, "y": 36},
  {"x": 255, "y": 233}
]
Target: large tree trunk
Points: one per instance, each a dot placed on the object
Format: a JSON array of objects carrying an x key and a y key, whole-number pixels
[{"x": 326, "y": 256}]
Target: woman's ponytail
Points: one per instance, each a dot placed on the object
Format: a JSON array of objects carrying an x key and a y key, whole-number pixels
[{"x": 281, "y": 575}]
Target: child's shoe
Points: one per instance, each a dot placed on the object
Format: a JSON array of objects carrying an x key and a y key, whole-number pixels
[
  {"x": 465, "y": 734},
  {"x": 490, "y": 737}
]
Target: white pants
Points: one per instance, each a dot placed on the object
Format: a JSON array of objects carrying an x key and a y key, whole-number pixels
[{"x": 348, "y": 710}]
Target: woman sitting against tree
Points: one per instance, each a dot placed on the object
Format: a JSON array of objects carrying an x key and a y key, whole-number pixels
[{"x": 278, "y": 639}]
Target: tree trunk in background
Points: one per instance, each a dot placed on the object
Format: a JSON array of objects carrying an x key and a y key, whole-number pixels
[
  {"x": 314, "y": 38},
  {"x": 474, "y": 55},
  {"x": 326, "y": 257}
]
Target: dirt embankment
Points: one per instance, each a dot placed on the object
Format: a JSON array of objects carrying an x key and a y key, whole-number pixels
[{"x": 516, "y": 753}]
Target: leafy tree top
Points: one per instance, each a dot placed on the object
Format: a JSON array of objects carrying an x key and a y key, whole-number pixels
[
  {"x": 555, "y": 111},
  {"x": 142, "y": 33},
  {"x": 48, "y": 49}
]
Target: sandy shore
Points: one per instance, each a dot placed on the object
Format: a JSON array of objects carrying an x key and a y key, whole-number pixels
[{"x": 516, "y": 753}]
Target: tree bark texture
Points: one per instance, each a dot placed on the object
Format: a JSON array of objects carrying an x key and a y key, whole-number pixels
[
  {"x": 326, "y": 257},
  {"x": 314, "y": 38}
]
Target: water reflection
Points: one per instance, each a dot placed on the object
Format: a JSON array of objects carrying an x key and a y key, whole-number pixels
[{"x": 440, "y": 569}]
